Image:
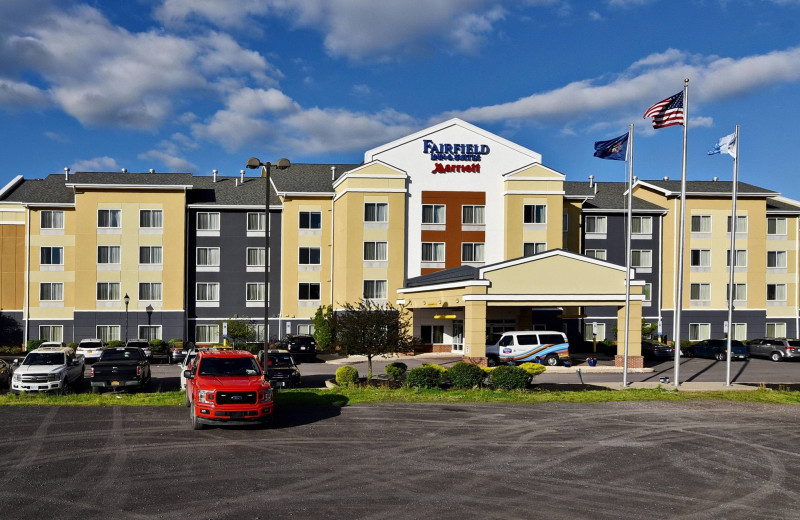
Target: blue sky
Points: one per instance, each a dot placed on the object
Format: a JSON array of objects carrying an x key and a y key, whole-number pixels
[{"x": 196, "y": 85}]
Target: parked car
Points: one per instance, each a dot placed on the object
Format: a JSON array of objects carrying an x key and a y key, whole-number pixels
[
  {"x": 5, "y": 374},
  {"x": 142, "y": 344},
  {"x": 122, "y": 367},
  {"x": 717, "y": 349},
  {"x": 301, "y": 346},
  {"x": 49, "y": 367},
  {"x": 654, "y": 349},
  {"x": 282, "y": 370},
  {"x": 178, "y": 354},
  {"x": 776, "y": 349},
  {"x": 90, "y": 349},
  {"x": 529, "y": 345}
]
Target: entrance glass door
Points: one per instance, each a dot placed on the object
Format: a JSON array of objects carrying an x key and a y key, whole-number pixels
[{"x": 458, "y": 337}]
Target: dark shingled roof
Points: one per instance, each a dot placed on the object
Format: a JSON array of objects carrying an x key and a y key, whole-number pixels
[
  {"x": 778, "y": 206},
  {"x": 226, "y": 192},
  {"x": 308, "y": 178},
  {"x": 613, "y": 196},
  {"x": 701, "y": 187},
  {"x": 578, "y": 189},
  {"x": 455, "y": 274}
]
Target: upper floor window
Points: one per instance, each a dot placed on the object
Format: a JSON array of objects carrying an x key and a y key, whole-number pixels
[
  {"x": 207, "y": 221},
  {"x": 150, "y": 291},
  {"x": 207, "y": 292},
  {"x": 647, "y": 292},
  {"x": 776, "y": 292},
  {"x": 255, "y": 292},
  {"x": 150, "y": 254},
  {"x": 256, "y": 222},
  {"x": 52, "y": 219},
  {"x": 308, "y": 291},
  {"x": 599, "y": 254},
  {"x": 376, "y": 251},
  {"x": 700, "y": 258},
  {"x": 433, "y": 251},
  {"x": 741, "y": 258},
  {"x": 433, "y": 213},
  {"x": 310, "y": 220},
  {"x": 474, "y": 215},
  {"x": 109, "y": 218},
  {"x": 700, "y": 291},
  {"x": 472, "y": 252},
  {"x": 108, "y": 291},
  {"x": 641, "y": 258},
  {"x": 739, "y": 291},
  {"x": 151, "y": 218},
  {"x": 375, "y": 289},
  {"x": 641, "y": 225},
  {"x": 376, "y": 212},
  {"x": 534, "y": 214},
  {"x": 741, "y": 224},
  {"x": 593, "y": 224},
  {"x": 309, "y": 256},
  {"x": 51, "y": 255},
  {"x": 256, "y": 257},
  {"x": 776, "y": 259},
  {"x": 533, "y": 248},
  {"x": 108, "y": 255},
  {"x": 776, "y": 226},
  {"x": 207, "y": 256},
  {"x": 51, "y": 291},
  {"x": 701, "y": 223}
]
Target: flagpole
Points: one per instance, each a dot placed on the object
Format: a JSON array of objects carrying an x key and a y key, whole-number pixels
[
  {"x": 628, "y": 260},
  {"x": 681, "y": 244},
  {"x": 732, "y": 260}
]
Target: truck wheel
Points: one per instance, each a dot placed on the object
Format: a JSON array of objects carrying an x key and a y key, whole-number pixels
[
  {"x": 188, "y": 402},
  {"x": 95, "y": 389},
  {"x": 551, "y": 360},
  {"x": 196, "y": 425},
  {"x": 720, "y": 356}
]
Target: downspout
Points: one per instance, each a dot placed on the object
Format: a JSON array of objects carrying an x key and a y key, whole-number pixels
[
  {"x": 27, "y": 306},
  {"x": 186, "y": 257},
  {"x": 333, "y": 229},
  {"x": 796, "y": 282},
  {"x": 660, "y": 274}
]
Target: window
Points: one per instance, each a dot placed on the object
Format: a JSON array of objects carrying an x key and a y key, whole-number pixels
[
  {"x": 107, "y": 332},
  {"x": 472, "y": 252},
  {"x": 108, "y": 254},
  {"x": 739, "y": 291},
  {"x": 255, "y": 292},
  {"x": 207, "y": 292},
  {"x": 150, "y": 291},
  {"x": 51, "y": 291},
  {"x": 256, "y": 222},
  {"x": 739, "y": 331},
  {"x": 430, "y": 334},
  {"x": 776, "y": 292},
  {"x": 433, "y": 213},
  {"x": 775, "y": 226},
  {"x": 207, "y": 221},
  {"x": 433, "y": 251},
  {"x": 641, "y": 225},
  {"x": 776, "y": 259},
  {"x": 108, "y": 291},
  {"x": 376, "y": 251},
  {"x": 700, "y": 291},
  {"x": 699, "y": 331},
  {"x": 741, "y": 258},
  {"x": 149, "y": 254},
  {"x": 595, "y": 224},
  {"x": 534, "y": 214},
  {"x": 375, "y": 289},
  {"x": 255, "y": 257},
  {"x": 310, "y": 220},
  {"x": 700, "y": 258},
  {"x": 51, "y": 255},
  {"x": 600, "y": 254},
  {"x": 150, "y": 332},
  {"x": 109, "y": 218},
  {"x": 473, "y": 215},
  {"x": 776, "y": 330},
  {"x": 587, "y": 332},
  {"x": 741, "y": 224},
  {"x": 206, "y": 333},
  {"x": 647, "y": 292},
  {"x": 51, "y": 219},
  {"x": 151, "y": 218},
  {"x": 641, "y": 258},
  {"x": 305, "y": 328},
  {"x": 51, "y": 333},
  {"x": 376, "y": 212},
  {"x": 701, "y": 223},
  {"x": 309, "y": 256},
  {"x": 533, "y": 248},
  {"x": 308, "y": 291},
  {"x": 207, "y": 256}
]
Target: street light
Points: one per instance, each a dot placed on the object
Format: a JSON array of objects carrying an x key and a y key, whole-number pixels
[
  {"x": 127, "y": 300},
  {"x": 252, "y": 164}
]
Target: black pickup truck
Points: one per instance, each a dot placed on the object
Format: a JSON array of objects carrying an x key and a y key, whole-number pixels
[{"x": 122, "y": 367}]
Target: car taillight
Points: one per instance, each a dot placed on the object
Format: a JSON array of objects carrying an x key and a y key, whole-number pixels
[
  {"x": 790, "y": 348},
  {"x": 91, "y": 372},
  {"x": 138, "y": 371}
]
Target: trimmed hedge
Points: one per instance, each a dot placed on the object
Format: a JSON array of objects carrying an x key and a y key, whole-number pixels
[
  {"x": 115, "y": 343},
  {"x": 534, "y": 369},
  {"x": 396, "y": 370},
  {"x": 440, "y": 368},
  {"x": 33, "y": 344},
  {"x": 158, "y": 346},
  {"x": 507, "y": 377},
  {"x": 425, "y": 376},
  {"x": 465, "y": 375},
  {"x": 346, "y": 376}
]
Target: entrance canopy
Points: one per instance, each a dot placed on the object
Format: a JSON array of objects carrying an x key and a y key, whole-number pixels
[{"x": 556, "y": 278}]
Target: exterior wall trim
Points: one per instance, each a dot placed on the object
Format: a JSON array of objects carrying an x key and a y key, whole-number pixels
[
  {"x": 549, "y": 297},
  {"x": 452, "y": 285}
]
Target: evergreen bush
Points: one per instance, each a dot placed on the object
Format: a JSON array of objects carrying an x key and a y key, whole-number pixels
[
  {"x": 346, "y": 376},
  {"x": 508, "y": 377},
  {"x": 158, "y": 346},
  {"x": 33, "y": 344},
  {"x": 425, "y": 376},
  {"x": 115, "y": 343},
  {"x": 465, "y": 375},
  {"x": 396, "y": 370}
]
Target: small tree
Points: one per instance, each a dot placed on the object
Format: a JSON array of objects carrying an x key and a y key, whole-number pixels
[
  {"x": 370, "y": 330},
  {"x": 240, "y": 329},
  {"x": 324, "y": 327}
]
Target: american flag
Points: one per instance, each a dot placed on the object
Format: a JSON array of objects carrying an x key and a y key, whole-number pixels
[{"x": 667, "y": 112}]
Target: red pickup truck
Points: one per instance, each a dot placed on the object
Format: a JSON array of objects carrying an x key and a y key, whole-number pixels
[{"x": 227, "y": 387}]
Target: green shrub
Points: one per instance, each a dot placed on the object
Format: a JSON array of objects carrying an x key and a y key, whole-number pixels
[
  {"x": 465, "y": 375},
  {"x": 534, "y": 369},
  {"x": 73, "y": 345},
  {"x": 173, "y": 341},
  {"x": 33, "y": 344},
  {"x": 11, "y": 351},
  {"x": 158, "y": 346},
  {"x": 396, "y": 370},
  {"x": 508, "y": 377},
  {"x": 346, "y": 376},
  {"x": 425, "y": 376},
  {"x": 115, "y": 343},
  {"x": 440, "y": 368}
]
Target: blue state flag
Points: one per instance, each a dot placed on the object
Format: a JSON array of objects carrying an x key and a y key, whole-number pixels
[
  {"x": 726, "y": 145},
  {"x": 613, "y": 149}
]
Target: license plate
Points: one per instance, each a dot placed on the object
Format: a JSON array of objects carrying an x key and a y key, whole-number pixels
[
  {"x": 90, "y": 351},
  {"x": 302, "y": 348},
  {"x": 280, "y": 383},
  {"x": 114, "y": 383}
]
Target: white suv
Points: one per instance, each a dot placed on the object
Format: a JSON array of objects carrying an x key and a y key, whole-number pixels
[
  {"x": 90, "y": 349},
  {"x": 49, "y": 367}
]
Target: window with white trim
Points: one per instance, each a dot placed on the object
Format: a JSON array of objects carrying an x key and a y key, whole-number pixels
[
  {"x": 776, "y": 330},
  {"x": 150, "y": 255},
  {"x": 149, "y": 291},
  {"x": 776, "y": 226},
  {"x": 107, "y": 332},
  {"x": 647, "y": 291},
  {"x": 51, "y": 333},
  {"x": 776, "y": 292},
  {"x": 534, "y": 214},
  {"x": 51, "y": 291},
  {"x": 376, "y": 251},
  {"x": 109, "y": 255},
  {"x": 588, "y": 328},
  {"x": 305, "y": 328},
  {"x": 375, "y": 289},
  {"x": 207, "y": 221},
  {"x": 109, "y": 218},
  {"x": 433, "y": 251},
  {"x": 207, "y": 292},
  {"x": 739, "y": 331},
  {"x": 51, "y": 219},
  {"x": 472, "y": 252},
  {"x": 309, "y": 256},
  {"x": 150, "y": 332},
  {"x": 700, "y": 292},
  {"x": 741, "y": 258},
  {"x": 431, "y": 334},
  {"x": 51, "y": 255},
  {"x": 741, "y": 224},
  {"x": 310, "y": 220},
  {"x": 207, "y": 257},
  {"x": 256, "y": 257},
  {"x": 641, "y": 225},
  {"x": 699, "y": 331},
  {"x": 433, "y": 213},
  {"x": 108, "y": 291},
  {"x": 776, "y": 259},
  {"x": 533, "y": 248},
  {"x": 206, "y": 333},
  {"x": 255, "y": 291},
  {"x": 151, "y": 218},
  {"x": 600, "y": 254},
  {"x": 701, "y": 224},
  {"x": 700, "y": 258},
  {"x": 256, "y": 222},
  {"x": 641, "y": 258},
  {"x": 595, "y": 224},
  {"x": 308, "y": 291},
  {"x": 376, "y": 212},
  {"x": 739, "y": 291},
  {"x": 473, "y": 215}
]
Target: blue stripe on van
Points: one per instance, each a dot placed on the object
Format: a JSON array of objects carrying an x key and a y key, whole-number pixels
[{"x": 540, "y": 351}]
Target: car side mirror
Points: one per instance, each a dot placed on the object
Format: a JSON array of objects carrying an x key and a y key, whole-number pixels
[
  {"x": 15, "y": 362},
  {"x": 188, "y": 374}
]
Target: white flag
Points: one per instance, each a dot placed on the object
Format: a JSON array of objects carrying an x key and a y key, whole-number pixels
[{"x": 725, "y": 145}]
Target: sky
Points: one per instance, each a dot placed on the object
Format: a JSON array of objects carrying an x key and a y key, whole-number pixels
[{"x": 197, "y": 85}]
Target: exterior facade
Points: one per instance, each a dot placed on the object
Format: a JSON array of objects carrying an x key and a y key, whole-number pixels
[{"x": 467, "y": 230}]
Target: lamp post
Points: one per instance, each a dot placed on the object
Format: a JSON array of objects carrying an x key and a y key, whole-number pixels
[
  {"x": 127, "y": 300},
  {"x": 252, "y": 164}
]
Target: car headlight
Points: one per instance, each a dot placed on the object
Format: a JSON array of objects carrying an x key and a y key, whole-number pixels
[
  {"x": 205, "y": 396},
  {"x": 54, "y": 377},
  {"x": 265, "y": 396},
  {"x": 17, "y": 377}
]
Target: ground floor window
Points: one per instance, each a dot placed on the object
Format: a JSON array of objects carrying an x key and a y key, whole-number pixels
[
  {"x": 306, "y": 328},
  {"x": 108, "y": 332},
  {"x": 588, "y": 328},
  {"x": 431, "y": 334},
  {"x": 739, "y": 331},
  {"x": 51, "y": 333},
  {"x": 776, "y": 330},
  {"x": 206, "y": 333},
  {"x": 699, "y": 331},
  {"x": 150, "y": 332}
]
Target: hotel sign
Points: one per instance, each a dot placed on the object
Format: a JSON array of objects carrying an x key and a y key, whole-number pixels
[{"x": 455, "y": 152}]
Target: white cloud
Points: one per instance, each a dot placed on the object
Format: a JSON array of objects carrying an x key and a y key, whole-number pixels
[
  {"x": 54, "y": 136},
  {"x": 14, "y": 94},
  {"x": 97, "y": 164},
  {"x": 174, "y": 163}
]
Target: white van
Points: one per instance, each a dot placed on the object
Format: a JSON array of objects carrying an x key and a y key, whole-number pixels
[{"x": 548, "y": 346}]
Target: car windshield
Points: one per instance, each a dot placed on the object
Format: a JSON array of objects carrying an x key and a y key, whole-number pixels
[
  {"x": 280, "y": 360},
  {"x": 122, "y": 354},
  {"x": 44, "y": 358},
  {"x": 225, "y": 366}
]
